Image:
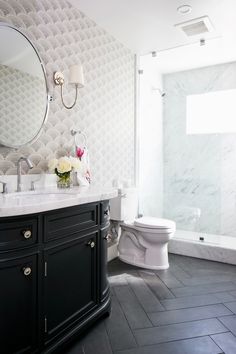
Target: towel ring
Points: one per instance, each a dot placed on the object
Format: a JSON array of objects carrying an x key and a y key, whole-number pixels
[{"x": 76, "y": 134}]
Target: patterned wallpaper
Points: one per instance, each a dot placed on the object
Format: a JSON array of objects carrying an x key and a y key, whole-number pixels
[
  {"x": 20, "y": 122},
  {"x": 105, "y": 112}
]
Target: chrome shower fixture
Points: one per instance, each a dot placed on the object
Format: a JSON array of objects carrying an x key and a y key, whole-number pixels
[{"x": 162, "y": 93}]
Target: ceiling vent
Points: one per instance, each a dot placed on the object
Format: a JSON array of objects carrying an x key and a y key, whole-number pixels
[{"x": 197, "y": 26}]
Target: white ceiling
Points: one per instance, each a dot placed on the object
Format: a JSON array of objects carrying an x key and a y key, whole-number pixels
[{"x": 148, "y": 25}]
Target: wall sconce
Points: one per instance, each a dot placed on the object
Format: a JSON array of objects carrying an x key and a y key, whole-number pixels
[{"x": 76, "y": 77}]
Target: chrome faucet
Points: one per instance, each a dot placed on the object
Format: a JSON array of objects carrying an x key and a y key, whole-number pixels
[
  {"x": 30, "y": 165},
  {"x": 4, "y": 187}
]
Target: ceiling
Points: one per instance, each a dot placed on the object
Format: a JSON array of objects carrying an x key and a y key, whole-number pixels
[{"x": 149, "y": 25}]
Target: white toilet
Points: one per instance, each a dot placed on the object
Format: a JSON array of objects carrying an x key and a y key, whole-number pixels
[{"x": 143, "y": 241}]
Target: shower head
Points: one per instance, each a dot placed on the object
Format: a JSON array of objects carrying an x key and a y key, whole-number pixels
[{"x": 162, "y": 93}]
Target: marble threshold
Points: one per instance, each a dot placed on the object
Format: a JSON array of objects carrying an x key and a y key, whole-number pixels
[{"x": 218, "y": 248}]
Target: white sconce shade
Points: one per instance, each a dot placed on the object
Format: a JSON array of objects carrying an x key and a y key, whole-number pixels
[{"x": 76, "y": 75}]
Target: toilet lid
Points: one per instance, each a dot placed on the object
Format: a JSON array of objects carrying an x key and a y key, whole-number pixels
[{"x": 154, "y": 223}]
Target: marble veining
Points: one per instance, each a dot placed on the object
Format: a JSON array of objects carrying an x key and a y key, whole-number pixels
[
  {"x": 41, "y": 200},
  {"x": 214, "y": 247},
  {"x": 199, "y": 170}
]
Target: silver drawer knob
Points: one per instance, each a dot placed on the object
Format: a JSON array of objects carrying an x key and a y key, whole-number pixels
[
  {"x": 27, "y": 271},
  {"x": 27, "y": 233},
  {"x": 91, "y": 244}
]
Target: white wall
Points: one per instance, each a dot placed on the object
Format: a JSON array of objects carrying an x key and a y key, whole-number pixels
[{"x": 150, "y": 139}]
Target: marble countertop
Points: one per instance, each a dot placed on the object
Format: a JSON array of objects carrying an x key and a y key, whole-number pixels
[{"x": 23, "y": 203}]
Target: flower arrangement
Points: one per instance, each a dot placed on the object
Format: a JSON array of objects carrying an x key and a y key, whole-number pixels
[{"x": 63, "y": 168}]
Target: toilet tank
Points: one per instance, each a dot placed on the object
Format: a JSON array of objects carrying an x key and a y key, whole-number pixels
[{"x": 125, "y": 205}]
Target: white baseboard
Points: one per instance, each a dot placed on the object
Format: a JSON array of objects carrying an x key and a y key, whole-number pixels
[{"x": 112, "y": 252}]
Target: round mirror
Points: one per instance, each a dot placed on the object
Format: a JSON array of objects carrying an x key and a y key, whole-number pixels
[{"x": 23, "y": 89}]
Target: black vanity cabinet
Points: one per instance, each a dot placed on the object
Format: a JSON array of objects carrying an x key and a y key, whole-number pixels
[
  {"x": 18, "y": 304},
  {"x": 54, "y": 287}
]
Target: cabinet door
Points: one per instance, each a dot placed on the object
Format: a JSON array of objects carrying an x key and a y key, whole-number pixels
[
  {"x": 70, "y": 283},
  {"x": 104, "y": 285},
  {"x": 18, "y": 305}
]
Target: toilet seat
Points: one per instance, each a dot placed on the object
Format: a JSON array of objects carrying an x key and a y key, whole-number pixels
[
  {"x": 146, "y": 229},
  {"x": 149, "y": 222},
  {"x": 170, "y": 228}
]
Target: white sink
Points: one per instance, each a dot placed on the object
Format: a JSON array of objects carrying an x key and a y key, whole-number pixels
[
  {"x": 36, "y": 197},
  {"x": 40, "y": 192},
  {"x": 34, "y": 194},
  {"x": 51, "y": 198}
]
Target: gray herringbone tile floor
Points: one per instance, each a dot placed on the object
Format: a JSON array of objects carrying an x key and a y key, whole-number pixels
[{"x": 188, "y": 309}]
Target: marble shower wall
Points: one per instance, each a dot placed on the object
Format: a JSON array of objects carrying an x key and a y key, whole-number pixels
[
  {"x": 64, "y": 36},
  {"x": 199, "y": 170}
]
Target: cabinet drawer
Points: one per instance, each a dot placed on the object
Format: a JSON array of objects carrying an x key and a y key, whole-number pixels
[
  {"x": 104, "y": 212},
  {"x": 64, "y": 222},
  {"x": 16, "y": 233}
]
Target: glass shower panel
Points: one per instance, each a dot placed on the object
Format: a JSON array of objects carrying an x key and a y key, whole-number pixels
[{"x": 199, "y": 169}]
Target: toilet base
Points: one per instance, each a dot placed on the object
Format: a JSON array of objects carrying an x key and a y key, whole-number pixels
[
  {"x": 141, "y": 264},
  {"x": 144, "y": 249}
]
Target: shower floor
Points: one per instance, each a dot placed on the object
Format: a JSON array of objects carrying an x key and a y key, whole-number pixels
[{"x": 206, "y": 246}]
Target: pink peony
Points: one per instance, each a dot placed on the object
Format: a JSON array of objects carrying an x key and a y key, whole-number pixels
[{"x": 79, "y": 152}]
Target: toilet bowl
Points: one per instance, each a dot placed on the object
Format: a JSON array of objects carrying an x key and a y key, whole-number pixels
[{"x": 143, "y": 241}]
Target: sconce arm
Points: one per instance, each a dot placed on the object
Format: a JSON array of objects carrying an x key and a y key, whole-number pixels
[{"x": 76, "y": 96}]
